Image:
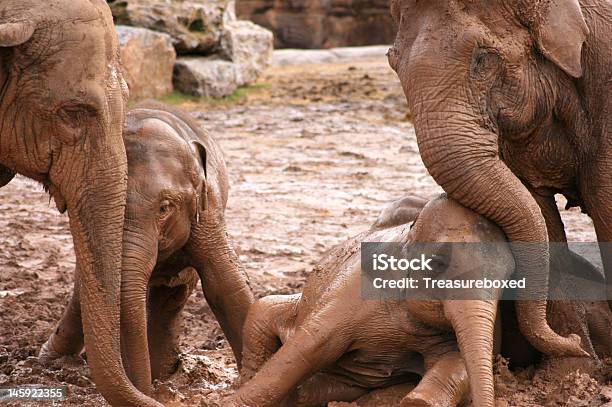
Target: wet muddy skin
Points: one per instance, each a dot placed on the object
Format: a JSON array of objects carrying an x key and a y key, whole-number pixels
[{"x": 313, "y": 155}]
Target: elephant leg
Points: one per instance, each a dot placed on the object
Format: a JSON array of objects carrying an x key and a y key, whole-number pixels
[
  {"x": 596, "y": 191},
  {"x": 600, "y": 320},
  {"x": 67, "y": 339},
  {"x": 445, "y": 383},
  {"x": 166, "y": 300},
  {"x": 314, "y": 346},
  {"x": 564, "y": 316},
  {"x": 262, "y": 331},
  {"x": 322, "y": 389},
  {"x": 224, "y": 282}
]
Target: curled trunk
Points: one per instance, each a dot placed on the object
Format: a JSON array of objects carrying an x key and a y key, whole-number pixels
[{"x": 462, "y": 156}]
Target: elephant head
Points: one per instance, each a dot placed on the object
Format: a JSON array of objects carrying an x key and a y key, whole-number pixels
[
  {"x": 476, "y": 73},
  {"x": 166, "y": 193},
  {"x": 62, "y": 100},
  {"x": 478, "y": 249}
]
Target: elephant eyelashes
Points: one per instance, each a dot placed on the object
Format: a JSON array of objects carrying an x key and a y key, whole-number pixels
[
  {"x": 72, "y": 122},
  {"x": 164, "y": 209},
  {"x": 485, "y": 64}
]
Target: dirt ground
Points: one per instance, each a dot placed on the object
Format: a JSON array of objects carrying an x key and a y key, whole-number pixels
[{"x": 314, "y": 153}]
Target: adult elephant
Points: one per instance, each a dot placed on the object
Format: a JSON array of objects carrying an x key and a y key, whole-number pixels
[
  {"x": 62, "y": 101},
  {"x": 511, "y": 100}
]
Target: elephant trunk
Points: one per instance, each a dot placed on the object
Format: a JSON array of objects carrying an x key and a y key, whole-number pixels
[
  {"x": 474, "y": 322},
  {"x": 96, "y": 205},
  {"x": 462, "y": 156},
  {"x": 92, "y": 178},
  {"x": 139, "y": 258}
]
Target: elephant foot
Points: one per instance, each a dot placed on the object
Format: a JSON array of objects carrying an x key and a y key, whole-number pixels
[{"x": 49, "y": 358}]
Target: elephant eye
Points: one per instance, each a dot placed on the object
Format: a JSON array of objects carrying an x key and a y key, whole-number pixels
[
  {"x": 439, "y": 263},
  {"x": 485, "y": 63},
  {"x": 164, "y": 208},
  {"x": 75, "y": 115}
]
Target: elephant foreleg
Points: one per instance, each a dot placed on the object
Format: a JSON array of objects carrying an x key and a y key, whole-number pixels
[
  {"x": 597, "y": 195},
  {"x": 262, "y": 331},
  {"x": 67, "y": 339},
  {"x": 166, "y": 300},
  {"x": 224, "y": 281},
  {"x": 313, "y": 347},
  {"x": 565, "y": 317},
  {"x": 600, "y": 321},
  {"x": 445, "y": 383},
  {"x": 322, "y": 389}
]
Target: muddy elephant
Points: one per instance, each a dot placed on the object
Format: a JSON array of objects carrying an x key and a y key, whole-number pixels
[
  {"x": 174, "y": 224},
  {"x": 331, "y": 343},
  {"x": 62, "y": 103},
  {"x": 335, "y": 342},
  {"x": 511, "y": 105}
]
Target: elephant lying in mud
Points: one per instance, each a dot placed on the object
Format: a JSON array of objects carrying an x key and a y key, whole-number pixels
[
  {"x": 174, "y": 227},
  {"x": 62, "y": 107},
  {"x": 331, "y": 343},
  {"x": 361, "y": 345},
  {"x": 511, "y": 105}
]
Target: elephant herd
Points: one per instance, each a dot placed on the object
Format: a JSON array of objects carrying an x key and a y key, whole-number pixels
[{"x": 511, "y": 106}]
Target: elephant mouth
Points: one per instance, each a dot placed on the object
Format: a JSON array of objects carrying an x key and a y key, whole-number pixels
[{"x": 60, "y": 201}]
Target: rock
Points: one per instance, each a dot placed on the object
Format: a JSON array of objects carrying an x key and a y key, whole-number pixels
[
  {"x": 205, "y": 76},
  {"x": 222, "y": 53},
  {"x": 245, "y": 51},
  {"x": 148, "y": 59},
  {"x": 195, "y": 26},
  {"x": 249, "y": 46},
  {"x": 322, "y": 23}
]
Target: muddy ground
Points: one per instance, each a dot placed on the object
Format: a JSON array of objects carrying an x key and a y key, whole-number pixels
[{"x": 314, "y": 152}]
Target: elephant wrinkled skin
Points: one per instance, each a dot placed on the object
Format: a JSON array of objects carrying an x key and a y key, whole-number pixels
[
  {"x": 62, "y": 100},
  {"x": 511, "y": 105},
  {"x": 174, "y": 224}
]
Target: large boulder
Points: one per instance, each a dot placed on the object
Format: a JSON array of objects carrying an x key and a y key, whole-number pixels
[
  {"x": 245, "y": 51},
  {"x": 205, "y": 76},
  {"x": 322, "y": 23},
  {"x": 249, "y": 46},
  {"x": 148, "y": 59},
  {"x": 195, "y": 26}
]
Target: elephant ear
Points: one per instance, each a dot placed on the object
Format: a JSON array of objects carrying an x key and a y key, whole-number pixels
[
  {"x": 13, "y": 34},
  {"x": 560, "y": 31},
  {"x": 201, "y": 153}
]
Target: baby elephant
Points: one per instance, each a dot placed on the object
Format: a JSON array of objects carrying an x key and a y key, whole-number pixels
[
  {"x": 174, "y": 231},
  {"x": 332, "y": 344}
]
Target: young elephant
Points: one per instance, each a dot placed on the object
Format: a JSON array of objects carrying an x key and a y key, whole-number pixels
[
  {"x": 174, "y": 224},
  {"x": 331, "y": 344}
]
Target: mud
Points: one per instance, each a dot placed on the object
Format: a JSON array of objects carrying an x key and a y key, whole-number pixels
[{"x": 313, "y": 155}]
